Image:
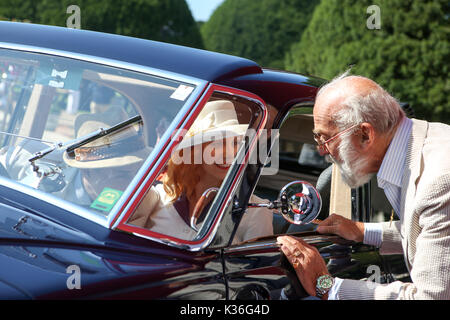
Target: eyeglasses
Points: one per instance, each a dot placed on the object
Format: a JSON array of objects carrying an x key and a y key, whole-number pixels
[{"x": 322, "y": 146}]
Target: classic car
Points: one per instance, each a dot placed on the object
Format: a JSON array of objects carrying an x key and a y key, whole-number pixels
[{"x": 89, "y": 123}]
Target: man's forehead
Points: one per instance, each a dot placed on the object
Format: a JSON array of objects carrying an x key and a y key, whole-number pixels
[
  {"x": 321, "y": 122},
  {"x": 324, "y": 108}
]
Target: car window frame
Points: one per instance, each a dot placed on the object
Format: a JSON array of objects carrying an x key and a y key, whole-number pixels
[{"x": 208, "y": 235}]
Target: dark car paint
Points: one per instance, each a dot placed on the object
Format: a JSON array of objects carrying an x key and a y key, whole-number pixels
[
  {"x": 37, "y": 252},
  {"x": 39, "y": 241},
  {"x": 280, "y": 90}
]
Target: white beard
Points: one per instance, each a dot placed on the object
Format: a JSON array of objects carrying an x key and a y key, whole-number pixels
[{"x": 351, "y": 165}]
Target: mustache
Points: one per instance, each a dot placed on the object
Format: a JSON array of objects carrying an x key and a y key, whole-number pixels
[{"x": 352, "y": 164}]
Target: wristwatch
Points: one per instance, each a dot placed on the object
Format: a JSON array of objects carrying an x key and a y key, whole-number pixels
[{"x": 323, "y": 285}]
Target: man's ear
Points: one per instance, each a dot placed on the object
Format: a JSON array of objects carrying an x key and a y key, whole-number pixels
[{"x": 367, "y": 134}]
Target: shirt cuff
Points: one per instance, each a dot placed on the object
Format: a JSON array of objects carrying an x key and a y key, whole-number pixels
[
  {"x": 373, "y": 234},
  {"x": 333, "y": 293}
]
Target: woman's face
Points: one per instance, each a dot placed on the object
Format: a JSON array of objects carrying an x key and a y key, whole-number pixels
[{"x": 218, "y": 156}]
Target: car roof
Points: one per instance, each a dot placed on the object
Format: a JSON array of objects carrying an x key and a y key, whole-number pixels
[{"x": 202, "y": 64}]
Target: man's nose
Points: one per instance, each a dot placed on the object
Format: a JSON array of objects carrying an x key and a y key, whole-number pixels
[{"x": 323, "y": 150}]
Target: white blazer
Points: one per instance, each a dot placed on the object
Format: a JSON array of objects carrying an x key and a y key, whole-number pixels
[{"x": 422, "y": 234}]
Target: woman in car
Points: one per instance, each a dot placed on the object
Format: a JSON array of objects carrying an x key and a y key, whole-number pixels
[{"x": 200, "y": 162}]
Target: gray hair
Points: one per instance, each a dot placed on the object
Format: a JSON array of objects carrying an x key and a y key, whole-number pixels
[{"x": 378, "y": 107}]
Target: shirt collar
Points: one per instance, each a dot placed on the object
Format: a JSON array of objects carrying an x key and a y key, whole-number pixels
[{"x": 391, "y": 169}]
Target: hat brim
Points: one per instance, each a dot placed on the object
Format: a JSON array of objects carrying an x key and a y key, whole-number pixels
[{"x": 213, "y": 135}]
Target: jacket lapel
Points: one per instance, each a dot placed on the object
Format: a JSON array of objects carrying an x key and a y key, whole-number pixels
[{"x": 413, "y": 170}]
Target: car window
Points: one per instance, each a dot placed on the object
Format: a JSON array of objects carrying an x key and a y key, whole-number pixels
[
  {"x": 183, "y": 202},
  {"x": 298, "y": 160},
  {"x": 78, "y": 131}
]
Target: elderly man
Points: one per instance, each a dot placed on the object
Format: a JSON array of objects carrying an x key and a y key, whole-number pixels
[{"x": 365, "y": 133}]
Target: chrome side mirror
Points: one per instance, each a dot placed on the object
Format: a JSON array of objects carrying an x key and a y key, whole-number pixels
[{"x": 298, "y": 202}]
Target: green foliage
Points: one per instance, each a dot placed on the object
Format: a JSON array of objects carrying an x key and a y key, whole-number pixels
[
  {"x": 16, "y": 10},
  {"x": 408, "y": 55},
  {"x": 261, "y": 30},
  {"x": 160, "y": 20}
]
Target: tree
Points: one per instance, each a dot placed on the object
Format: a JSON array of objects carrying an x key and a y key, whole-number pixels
[
  {"x": 160, "y": 20},
  {"x": 408, "y": 55},
  {"x": 15, "y": 10},
  {"x": 261, "y": 30}
]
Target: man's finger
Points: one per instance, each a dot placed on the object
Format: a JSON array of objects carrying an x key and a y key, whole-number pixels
[
  {"x": 289, "y": 252},
  {"x": 294, "y": 257},
  {"x": 327, "y": 229},
  {"x": 288, "y": 240},
  {"x": 295, "y": 244},
  {"x": 329, "y": 221}
]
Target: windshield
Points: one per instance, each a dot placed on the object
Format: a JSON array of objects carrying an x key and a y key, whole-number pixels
[{"x": 80, "y": 131}]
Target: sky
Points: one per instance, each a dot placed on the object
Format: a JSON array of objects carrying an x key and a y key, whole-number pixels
[{"x": 202, "y": 9}]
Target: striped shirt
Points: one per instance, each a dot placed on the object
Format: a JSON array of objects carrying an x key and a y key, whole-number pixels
[{"x": 389, "y": 178}]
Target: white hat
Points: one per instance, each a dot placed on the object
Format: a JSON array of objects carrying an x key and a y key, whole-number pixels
[{"x": 217, "y": 121}]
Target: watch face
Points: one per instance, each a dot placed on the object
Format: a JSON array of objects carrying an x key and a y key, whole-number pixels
[{"x": 325, "y": 282}]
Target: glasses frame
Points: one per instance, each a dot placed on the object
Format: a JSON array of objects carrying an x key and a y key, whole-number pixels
[{"x": 322, "y": 147}]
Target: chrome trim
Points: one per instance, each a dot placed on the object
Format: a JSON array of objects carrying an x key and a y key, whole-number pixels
[
  {"x": 272, "y": 243},
  {"x": 105, "y": 61},
  {"x": 163, "y": 240},
  {"x": 90, "y": 215},
  {"x": 198, "y": 206}
]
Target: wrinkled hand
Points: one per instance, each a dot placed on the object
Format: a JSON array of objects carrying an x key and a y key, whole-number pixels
[
  {"x": 306, "y": 260},
  {"x": 343, "y": 227}
]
